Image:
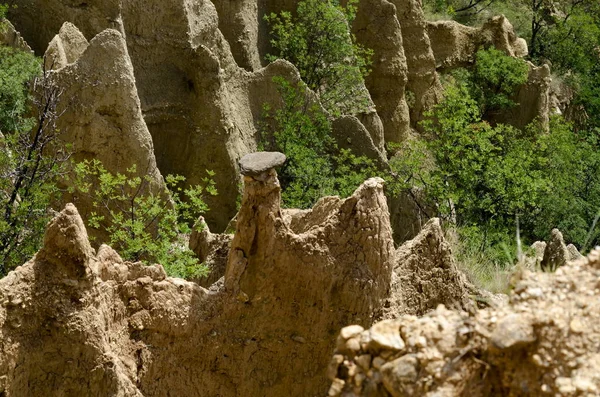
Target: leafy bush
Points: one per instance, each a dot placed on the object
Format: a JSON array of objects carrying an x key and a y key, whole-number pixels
[
  {"x": 316, "y": 167},
  {"x": 571, "y": 168},
  {"x": 142, "y": 224},
  {"x": 17, "y": 69},
  {"x": 498, "y": 76},
  {"x": 479, "y": 170},
  {"x": 318, "y": 42}
]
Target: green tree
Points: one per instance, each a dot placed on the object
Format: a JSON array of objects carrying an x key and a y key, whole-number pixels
[
  {"x": 318, "y": 42},
  {"x": 143, "y": 224},
  {"x": 480, "y": 171},
  {"x": 31, "y": 155},
  {"x": 572, "y": 170}
]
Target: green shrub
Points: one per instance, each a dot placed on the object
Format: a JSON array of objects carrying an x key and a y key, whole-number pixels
[
  {"x": 143, "y": 224},
  {"x": 571, "y": 168},
  {"x": 17, "y": 69},
  {"x": 318, "y": 42},
  {"x": 498, "y": 76},
  {"x": 316, "y": 167}
]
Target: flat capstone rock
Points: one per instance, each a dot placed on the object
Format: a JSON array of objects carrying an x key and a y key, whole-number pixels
[{"x": 254, "y": 164}]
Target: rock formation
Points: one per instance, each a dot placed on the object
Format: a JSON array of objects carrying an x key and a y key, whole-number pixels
[
  {"x": 377, "y": 27},
  {"x": 10, "y": 37},
  {"x": 549, "y": 256},
  {"x": 455, "y": 45},
  {"x": 198, "y": 104},
  {"x": 425, "y": 275},
  {"x": 556, "y": 253},
  {"x": 127, "y": 329},
  {"x": 499, "y": 32},
  {"x": 543, "y": 343},
  {"x": 534, "y": 257},
  {"x": 242, "y": 26},
  {"x": 211, "y": 249},
  {"x": 423, "y": 81},
  {"x": 533, "y": 99},
  {"x": 73, "y": 321},
  {"x": 201, "y": 83},
  {"x": 65, "y": 48}
]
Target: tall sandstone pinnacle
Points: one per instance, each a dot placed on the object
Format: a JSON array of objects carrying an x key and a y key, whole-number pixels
[
  {"x": 100, "y": 113},
  {"x": 423, "y": 81},
  {"x": 377, "y": 27}
]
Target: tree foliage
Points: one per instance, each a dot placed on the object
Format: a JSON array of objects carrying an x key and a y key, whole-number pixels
[
  {"x": 316, "y": 167},
  {"x": 31, "y": 155},
  {"x": 496, "y": 77},
  {"x": 480, "y": 176},
  {"x": 318, "y": 42},
  {"x": 144, "y": 225}
]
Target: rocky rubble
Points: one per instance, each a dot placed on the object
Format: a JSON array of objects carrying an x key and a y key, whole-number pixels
[{"x": 544, "y": 342}]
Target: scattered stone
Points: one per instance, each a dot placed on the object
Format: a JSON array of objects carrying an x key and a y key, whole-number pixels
[
  {"x": 513, "y": 331},
  {"x": 353, "y": 344},
  {"x": 385, "y": 335},
  {"x": 378, "y": 362},
  {"x": 399, "y": 373},
  {"x": 350, "y": 331},
  {"x": 364, "y": 361},
  {"x": 334, "y": 364},
  {"x": 298, "y": 339},
  {"x": 336, "y": 388},
  {"x": 576, "y": 325}
]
